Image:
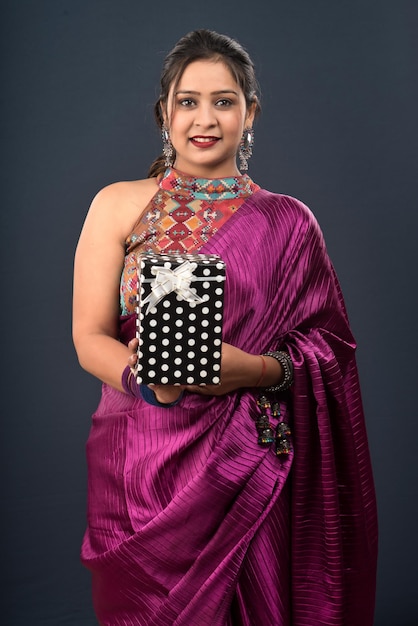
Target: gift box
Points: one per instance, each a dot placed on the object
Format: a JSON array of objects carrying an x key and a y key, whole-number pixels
[{"x": 179, "y": 318}]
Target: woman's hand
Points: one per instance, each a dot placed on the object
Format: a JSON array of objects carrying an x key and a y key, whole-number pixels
[
  {"x": 238, "y": 369},
  {"x": 133, "y": 349},
  {"x": 164, "y": 393}
]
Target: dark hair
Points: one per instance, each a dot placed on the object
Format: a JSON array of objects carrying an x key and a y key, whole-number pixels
[{"x": 209, "y": 45}]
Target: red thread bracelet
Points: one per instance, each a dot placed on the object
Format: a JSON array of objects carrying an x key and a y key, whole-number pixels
[{"x": 263, "y": 371}]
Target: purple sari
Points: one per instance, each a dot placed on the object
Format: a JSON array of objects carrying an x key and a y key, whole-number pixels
[{"x": 191, "y": 522}]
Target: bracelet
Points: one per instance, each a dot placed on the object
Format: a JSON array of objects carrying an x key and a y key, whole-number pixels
[
  {"x": 131, "y": 387},
  {"x": 149, "y": 396},
  {"x": 129, "y": 384},
  {"x": 263, "y": 371},
  {"x": 286, "y": 362}
]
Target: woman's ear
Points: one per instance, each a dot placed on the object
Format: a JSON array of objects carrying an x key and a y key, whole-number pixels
[
  {"x": 250, "y": 116},
  {"x": 163, "y": 113}
]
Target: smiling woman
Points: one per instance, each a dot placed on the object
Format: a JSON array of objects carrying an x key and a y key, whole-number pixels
[
  {"x": 250, "y": 501},
  {"x": 206, "y": 116}
]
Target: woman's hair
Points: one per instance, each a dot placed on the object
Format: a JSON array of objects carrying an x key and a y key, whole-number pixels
[{"x": 207, "y": 45}]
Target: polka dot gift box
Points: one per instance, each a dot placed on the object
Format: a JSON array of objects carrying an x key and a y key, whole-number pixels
[{"x": 179, "y": 322}]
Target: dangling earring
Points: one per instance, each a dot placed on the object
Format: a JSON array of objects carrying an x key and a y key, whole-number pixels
[
  {"x": 168, "y": 150},
  {"x": 246, "y": 148}
]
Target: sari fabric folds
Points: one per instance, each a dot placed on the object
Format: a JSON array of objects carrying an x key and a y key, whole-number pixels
[{"x": 191, "y": 522}]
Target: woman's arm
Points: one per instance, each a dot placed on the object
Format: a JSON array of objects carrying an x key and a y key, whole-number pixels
[
  {"x": 97, "y": 271},
  {"x": 238, "y": 369}
]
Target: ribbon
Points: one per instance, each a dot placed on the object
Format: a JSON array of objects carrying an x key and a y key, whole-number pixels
[{"x": 167, "y": 280}]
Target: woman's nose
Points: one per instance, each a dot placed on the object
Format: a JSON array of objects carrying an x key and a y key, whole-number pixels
[{"x": 205, "y": 116}]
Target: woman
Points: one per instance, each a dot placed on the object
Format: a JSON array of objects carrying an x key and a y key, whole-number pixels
[{"x": 203, "y": 508}]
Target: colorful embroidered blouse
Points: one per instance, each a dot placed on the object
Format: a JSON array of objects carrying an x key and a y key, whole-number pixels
[{"x": 181, "y": 217}]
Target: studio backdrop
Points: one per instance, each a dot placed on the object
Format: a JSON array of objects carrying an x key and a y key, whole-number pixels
[{"x": 338, "y": 130}]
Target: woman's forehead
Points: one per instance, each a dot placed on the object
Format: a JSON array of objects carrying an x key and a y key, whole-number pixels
[{"x": 206, "y": 74}]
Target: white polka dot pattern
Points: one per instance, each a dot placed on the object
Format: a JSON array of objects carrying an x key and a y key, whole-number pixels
[{"x": 168, "y": 330}]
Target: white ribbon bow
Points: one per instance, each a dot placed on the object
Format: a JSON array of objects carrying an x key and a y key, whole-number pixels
[{"x": 168, "y": 280}]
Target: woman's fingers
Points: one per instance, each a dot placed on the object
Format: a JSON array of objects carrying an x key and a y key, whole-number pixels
[
  {"x": 166, "y": 393},
  {"x": 207, "y": 390},
  {"x": 133, "y": 344},
  {"x": 133, "y": 347}
]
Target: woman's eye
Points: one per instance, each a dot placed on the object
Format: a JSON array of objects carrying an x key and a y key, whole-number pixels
[
  {"x": 224, "y": 102},
  {"x": 186, "y": 102}
]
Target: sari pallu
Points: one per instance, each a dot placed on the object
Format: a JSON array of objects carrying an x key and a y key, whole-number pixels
[{"x": 190, "y": 520}]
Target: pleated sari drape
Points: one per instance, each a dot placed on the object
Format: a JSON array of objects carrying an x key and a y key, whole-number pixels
[{"x": 190, "y": 521}]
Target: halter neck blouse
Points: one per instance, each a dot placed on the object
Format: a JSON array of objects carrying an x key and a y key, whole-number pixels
[
  {"x": 209, "y": 189},
  {"x": 181, "y": 217}
]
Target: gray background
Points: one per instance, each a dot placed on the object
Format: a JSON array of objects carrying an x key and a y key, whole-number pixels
[{"x": 338, "y": 130}]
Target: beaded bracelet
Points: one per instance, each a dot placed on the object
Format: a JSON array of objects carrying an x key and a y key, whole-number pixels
[{"x": 286, "y": 362}]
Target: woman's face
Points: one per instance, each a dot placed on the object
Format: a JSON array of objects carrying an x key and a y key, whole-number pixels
[{"x": 206, "y": 116}]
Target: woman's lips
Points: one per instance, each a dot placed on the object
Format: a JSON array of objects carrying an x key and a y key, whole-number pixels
[{"x": 204, "y": 142}]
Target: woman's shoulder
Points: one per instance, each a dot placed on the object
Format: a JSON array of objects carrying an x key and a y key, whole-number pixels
[
  {"x": 116, "y": 207},
  {"x": 135, "y": 192},
  {"x": 286, "y": 205},
  {"x": 123, "y": 201},
  {"x": 289, "y": 217}
]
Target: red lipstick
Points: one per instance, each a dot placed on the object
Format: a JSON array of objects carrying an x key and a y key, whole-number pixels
[{"x": 202, "y": 141}]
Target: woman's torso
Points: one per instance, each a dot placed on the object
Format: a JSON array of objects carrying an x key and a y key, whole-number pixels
[{"x": 182, "y": 216}]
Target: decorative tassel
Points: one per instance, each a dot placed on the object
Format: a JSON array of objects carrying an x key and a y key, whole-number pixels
[
  {"x": 283, "y": 433},
  {"x": 265, "y": 430}
]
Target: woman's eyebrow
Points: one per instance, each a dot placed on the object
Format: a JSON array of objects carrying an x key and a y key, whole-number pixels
[{"x": 198, "y": 93}]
